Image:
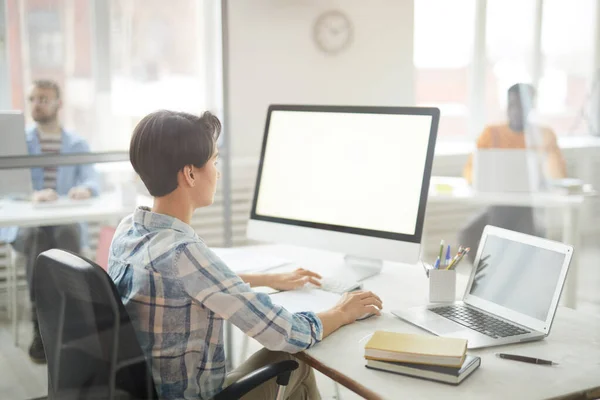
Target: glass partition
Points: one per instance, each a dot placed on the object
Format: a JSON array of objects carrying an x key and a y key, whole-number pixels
[{"x": 113, "y": 61}]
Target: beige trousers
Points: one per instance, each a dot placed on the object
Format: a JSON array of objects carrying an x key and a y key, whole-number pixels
[{"x": 302, "y": 385}]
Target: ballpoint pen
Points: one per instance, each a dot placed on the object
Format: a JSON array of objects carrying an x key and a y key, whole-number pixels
[
  {"x": 447, "y": 263},
  {"x": 459, "y": 259},
  {"x": 530, "y": 360},
  {"x": 455, "y": 258},
  {"x": 441, "y": 252},
  {"x": 453, "y": 261}
]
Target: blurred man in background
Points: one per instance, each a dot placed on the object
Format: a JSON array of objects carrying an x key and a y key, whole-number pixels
[
  {"x": 518, "y": 133},
  {"x": 75, "y": 181}
]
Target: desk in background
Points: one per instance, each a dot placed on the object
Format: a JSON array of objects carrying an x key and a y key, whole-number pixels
[
  {"x": 456, "y": 190},
  {"x": 105, "y": 207},
  {"x": 574, "y": 342},
  {"x": 23, "y": 214}
]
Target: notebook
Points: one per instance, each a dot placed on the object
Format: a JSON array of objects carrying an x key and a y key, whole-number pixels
[
  {"x": 450, "y": 375},
  {"x": 417, "y": 349}
]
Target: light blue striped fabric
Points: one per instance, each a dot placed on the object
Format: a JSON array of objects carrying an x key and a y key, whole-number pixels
[
  {"x": 67, "y": 176},
  {"x": 178, "y": 294}
]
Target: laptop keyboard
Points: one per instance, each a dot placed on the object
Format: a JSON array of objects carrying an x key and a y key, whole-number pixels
[{"x": 478, "y": 321}]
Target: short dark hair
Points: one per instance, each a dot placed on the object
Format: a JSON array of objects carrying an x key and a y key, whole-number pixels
[
  {"x": 164, "y": 142},
  {"x": 47, "y": 84},
  {"x": 521, "y": 89}
]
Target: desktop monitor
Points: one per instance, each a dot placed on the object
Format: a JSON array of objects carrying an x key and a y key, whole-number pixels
[
  {"x": 16, "y": 183},
  {"x": 353, "y": 180}
]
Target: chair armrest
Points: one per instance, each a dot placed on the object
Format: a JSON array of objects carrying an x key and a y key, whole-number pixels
[{"x": 282, "y": 370}]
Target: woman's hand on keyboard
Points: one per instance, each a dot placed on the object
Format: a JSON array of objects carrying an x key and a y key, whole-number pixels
[{"x": 293, "y": 280}]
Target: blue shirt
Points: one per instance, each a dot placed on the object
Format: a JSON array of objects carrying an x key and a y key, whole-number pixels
[
  {"x": 178, "y": 294},
  {"x": 67, "y": 176}
]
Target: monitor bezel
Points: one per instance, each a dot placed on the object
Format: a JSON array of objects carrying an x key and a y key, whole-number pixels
[{"x": 434, "y": 113}]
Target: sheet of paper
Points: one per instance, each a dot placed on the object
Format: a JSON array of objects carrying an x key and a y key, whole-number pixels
[
  {"x": 306, "y": 300},
  {"x": 242, "y": 260}
]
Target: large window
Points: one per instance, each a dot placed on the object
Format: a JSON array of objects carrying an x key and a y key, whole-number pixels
[
  {"x": 509, "y": 51},
  {"x": 116, "y": 60},
  {"x": 443, "y": 47},
  {"x": 467, "y": 77},
  {"x": 568, "y": 29}
]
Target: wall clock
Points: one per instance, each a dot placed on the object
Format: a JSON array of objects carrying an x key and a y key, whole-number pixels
[{"x": 333, "y": 32}]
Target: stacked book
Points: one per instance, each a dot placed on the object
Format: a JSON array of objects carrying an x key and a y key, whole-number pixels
[{"x": 422, "y": 356}]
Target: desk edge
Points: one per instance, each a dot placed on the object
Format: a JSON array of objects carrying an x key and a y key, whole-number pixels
[{"x": 338, "y": 377}]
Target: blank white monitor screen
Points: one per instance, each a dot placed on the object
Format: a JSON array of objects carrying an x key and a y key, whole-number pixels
[{"x": 358, "y": 170}]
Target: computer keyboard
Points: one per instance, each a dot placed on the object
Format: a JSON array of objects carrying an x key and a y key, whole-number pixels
[
  {"x": 336, "y": 285},
  {"x": 478, "y": 321},
  {"x": 62, "y": 202}
]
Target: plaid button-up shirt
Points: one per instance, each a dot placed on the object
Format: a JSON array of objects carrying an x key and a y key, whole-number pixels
[{"x": 178, "y": 294}]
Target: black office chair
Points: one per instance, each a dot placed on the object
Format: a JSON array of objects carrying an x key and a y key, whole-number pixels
[{"x": 90, "y": 343}]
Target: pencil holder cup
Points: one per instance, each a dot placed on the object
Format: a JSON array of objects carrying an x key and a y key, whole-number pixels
[{"x": 442, "y": 285}]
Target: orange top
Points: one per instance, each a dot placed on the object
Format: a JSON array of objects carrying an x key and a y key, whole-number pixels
[{"x": 502, "y": 137}]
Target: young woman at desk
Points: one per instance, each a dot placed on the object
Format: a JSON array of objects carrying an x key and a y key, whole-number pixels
[
  {"x": 178, "y": 292},
  {"x": 518, "y": 133}
]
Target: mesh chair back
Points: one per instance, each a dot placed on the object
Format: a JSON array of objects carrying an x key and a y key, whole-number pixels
[{"x": 90, "y": 343}]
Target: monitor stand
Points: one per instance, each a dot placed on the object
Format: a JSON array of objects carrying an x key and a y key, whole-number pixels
[{"x": 359, "y": 268}]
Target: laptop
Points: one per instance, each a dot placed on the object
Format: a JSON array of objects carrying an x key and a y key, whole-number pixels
[
  {"x": 508, "y": 171},
  {"x": 16, "y": 183},
  {"x": 511, "y": 296}
]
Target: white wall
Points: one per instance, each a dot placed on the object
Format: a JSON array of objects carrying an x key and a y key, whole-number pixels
[{"x": 273, "y": 59}]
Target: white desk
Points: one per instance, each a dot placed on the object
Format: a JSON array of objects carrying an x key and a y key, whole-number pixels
[
  {"x": 574, "y": 342},
  {"x": 107, "y": 206},
  {"x": 24, "y": 214},
  {"x": 570, "y": 206}
]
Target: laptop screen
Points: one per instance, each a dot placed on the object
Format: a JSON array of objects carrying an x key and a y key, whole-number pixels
[{"x": 518, "y": 276}]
